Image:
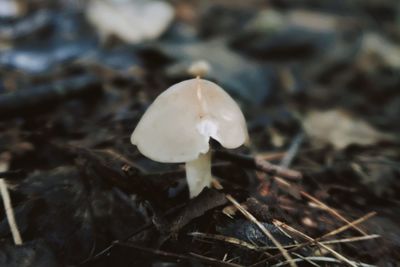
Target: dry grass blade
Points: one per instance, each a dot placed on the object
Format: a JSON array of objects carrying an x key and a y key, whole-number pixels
[
  {"x": 322, "y": 259},
  {"x": 322, "y": 205},
  {"x": 7, "y": 204},
  {"x": 214, "y": 261},
  {"x": 351, "y": 239},
  {"x": 234, "y": 241},
  {"x": 244, "y": 244},
  {"x": 335, "y": 253},
  {"x": 227, "y": 239},
  {"x": 249, "y": 216},
  {"x": 331, "y": 211},
  {"x": 334, "y": 232},
  {"x": 305, "y": 259},
  {"x": 350, "y": 224}
]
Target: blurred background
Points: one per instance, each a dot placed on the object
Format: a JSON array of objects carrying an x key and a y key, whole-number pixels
[{"x": 317, "y": 78}]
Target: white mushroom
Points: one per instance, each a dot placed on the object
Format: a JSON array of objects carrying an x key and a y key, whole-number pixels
[
  {"x": 177, "y": 128},
  {"x": 132, "y": 21}
]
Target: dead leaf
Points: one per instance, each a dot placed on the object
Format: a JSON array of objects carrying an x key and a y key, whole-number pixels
[
  {"x": 207, "y": 200},
  {"x": 341, "y": 129},
  {"x": 375, "y": 47}
]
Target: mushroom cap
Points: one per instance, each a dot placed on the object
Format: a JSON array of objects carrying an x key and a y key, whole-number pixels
[
  {"x": 179, "y": 123},
  {"x": 115, "y": 18}
]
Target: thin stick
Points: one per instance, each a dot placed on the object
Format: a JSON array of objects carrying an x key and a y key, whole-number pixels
[
  {"x": 249, "y": 216},
  {"x": 258, "y": 163},
  {"x": 8, "y": 207},
  {"x": 291, "y": 153},
  {"x": 335, "y": 253},
  {"x": 286, "y": 162}
]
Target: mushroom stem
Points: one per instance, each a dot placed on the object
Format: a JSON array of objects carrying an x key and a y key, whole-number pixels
[{"x": 198, "y": 174}]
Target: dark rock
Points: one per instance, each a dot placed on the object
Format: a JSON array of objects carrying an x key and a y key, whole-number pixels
[
  {"x": 286, "y": 44},
  {"x": 249, "y": 232}
]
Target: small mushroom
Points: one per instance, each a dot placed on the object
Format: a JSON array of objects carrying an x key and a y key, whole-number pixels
[{"x": 178, "y": 125}]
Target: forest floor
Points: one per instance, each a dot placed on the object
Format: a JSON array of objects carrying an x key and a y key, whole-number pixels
[{"x": 317, "y": 185}]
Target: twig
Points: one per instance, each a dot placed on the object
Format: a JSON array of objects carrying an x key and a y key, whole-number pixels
[
  {"x": 249, "y": 216},
  {"x": 291, "y": 153},
  {"x": 270, "y": 156},
  {"x": 258, "y": 163},
  {"x": 8, "y": 207},
  {"x": 273, "y": 169},
  {"x": 285, "y": 163},
  {"x": 303, "y": 235}
]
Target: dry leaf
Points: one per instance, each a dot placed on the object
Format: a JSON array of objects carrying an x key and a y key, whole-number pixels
[
  {"x": 374, "y": 45},
  {"x": 341, "y": 129}
]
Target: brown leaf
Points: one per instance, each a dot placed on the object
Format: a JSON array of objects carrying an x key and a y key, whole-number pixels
[{"x": 341, "y": 129}]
